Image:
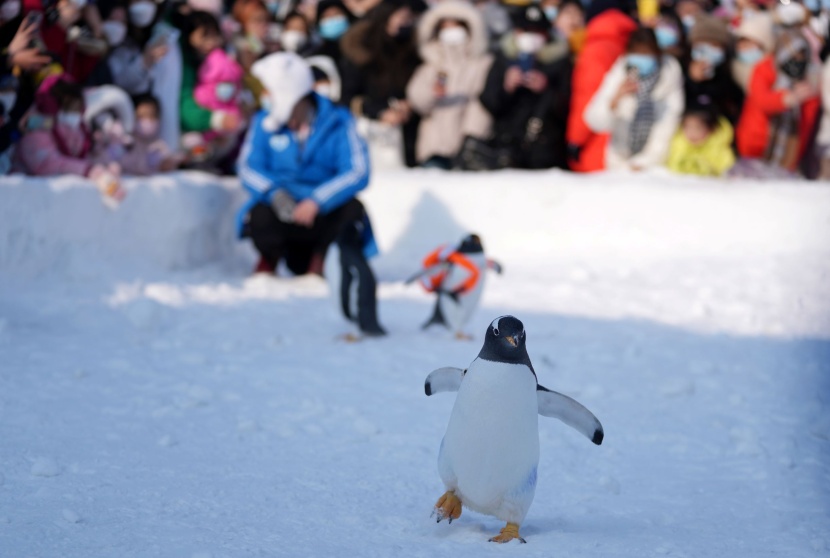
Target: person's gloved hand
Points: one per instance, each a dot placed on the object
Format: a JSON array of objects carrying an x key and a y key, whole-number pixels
[{"x": 574, "y": 151}]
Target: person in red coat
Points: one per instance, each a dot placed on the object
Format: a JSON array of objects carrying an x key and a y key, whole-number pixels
[
  {"x": 782, "y": 105},
  {"x": 606, "y": 38}
]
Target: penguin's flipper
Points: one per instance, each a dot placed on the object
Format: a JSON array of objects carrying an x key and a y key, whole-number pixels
[
  {"x": 495, "y": 266},
  {"x": 555, "y": 405},
  {"x": 443, "y": 379}
]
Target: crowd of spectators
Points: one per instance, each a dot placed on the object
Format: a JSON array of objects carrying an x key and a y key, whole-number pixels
[{"x": 102, "y": 88}]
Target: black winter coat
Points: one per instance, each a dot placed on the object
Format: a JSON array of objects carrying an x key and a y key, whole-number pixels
[{"x": 531, "y": 125}]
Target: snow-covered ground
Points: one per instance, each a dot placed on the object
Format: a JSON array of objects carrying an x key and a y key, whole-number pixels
[{"x": 157, "y": 401}]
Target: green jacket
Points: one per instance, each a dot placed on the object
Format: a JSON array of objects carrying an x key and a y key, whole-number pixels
[{"x": 193, "y": 118}]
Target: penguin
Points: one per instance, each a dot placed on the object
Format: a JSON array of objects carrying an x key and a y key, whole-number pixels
[
  {"x": 456, "y": 275},
  {"x": 352, "y": 282},
  {"x": 489, "y": 455}
]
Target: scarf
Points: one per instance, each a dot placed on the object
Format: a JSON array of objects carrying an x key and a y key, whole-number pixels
[{"x": 644, "y": 117}]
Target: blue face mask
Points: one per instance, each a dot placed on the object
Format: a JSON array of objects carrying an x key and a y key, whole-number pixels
[
  {"x": 225, "y": 91},
  {"x": 749, "y": 56},
  {"x": 551, "y": 12},
  {"x": 688, "y": 22},
  {"x": 812, "y": 6},
  {"x": 708, "y": 53},
  {"x": 645, "y": 64},
  {"x": 332, "y": 28},
  {"x": 825, "y": 4},
  {"x": 666, "y": 36}
]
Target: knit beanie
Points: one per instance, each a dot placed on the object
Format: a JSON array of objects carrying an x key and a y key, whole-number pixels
[
  {"x": 709, "y": 29},
  {"x": 758, "y": 28}
]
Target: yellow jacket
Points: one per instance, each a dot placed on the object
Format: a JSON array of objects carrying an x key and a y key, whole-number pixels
[{"x": 712, "y": 158}]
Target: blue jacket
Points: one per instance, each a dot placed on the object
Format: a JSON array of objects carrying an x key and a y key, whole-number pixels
[{"x": 331, "y": 169}]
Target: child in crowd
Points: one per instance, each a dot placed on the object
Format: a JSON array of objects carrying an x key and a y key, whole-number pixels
[
  {"x": 148, "y": 154},
  {"x": 640, "y": 103},
  {"x": 219, "y": 89},
  {"x": 57, "y": 141},
  {"x": 702, "y": 145}
]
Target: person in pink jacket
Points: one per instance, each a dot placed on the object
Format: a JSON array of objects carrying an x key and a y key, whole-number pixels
[
  {"x": 218, "y": 88},
  {"x": 57, "y": 142}
]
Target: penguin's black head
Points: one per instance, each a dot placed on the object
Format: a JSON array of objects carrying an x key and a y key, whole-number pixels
[
  {"x": 470, "y": 244},
  {"x": 505, "y": 341}
]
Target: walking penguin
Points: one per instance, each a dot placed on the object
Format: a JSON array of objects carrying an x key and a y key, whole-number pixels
[
  {"x": 490, "y": 452},
  {"x": 456, "y": 275}
]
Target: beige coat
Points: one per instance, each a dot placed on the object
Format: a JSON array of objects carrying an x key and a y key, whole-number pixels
[{"x": 448, "y": 120}]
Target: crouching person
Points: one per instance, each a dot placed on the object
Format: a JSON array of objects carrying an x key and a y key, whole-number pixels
[{"x": 303, "y": 163}]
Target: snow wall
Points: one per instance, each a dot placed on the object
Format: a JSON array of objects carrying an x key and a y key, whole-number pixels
[{"x": 186, "y": 220}]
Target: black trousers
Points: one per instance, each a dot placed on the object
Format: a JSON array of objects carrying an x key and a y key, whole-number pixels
[{"x": 276, "y": 240}]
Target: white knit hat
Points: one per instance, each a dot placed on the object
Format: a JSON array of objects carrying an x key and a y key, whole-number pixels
[
  {"x": 758, "y": 28},
  {"x": 109, "y": 98},
  {"x": 287, "y": 78}
]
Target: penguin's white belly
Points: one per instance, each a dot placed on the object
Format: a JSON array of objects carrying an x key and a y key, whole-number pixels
[
  {"x": 457, "y": 314},
  {"x": 490, "y": 452}
]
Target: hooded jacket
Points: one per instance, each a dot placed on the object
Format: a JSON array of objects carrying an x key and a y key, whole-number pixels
[
  {"x": 330, "y": 168},
  {"x": 605, "y": 41},
  {"x": 763, "y": 102},
  {"x": 447, "y": 120}
]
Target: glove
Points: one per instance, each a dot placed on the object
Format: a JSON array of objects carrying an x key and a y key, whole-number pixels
[{"x": 574, "y": 151}]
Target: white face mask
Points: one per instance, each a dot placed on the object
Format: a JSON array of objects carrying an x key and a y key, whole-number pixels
[
  {"x": 8, "y": 100},
  {"x": 292, "y": 41},
  {"x": 453, "y": 36},
  {"x": 9, "y": 10},
  {"x": 142, "y": 13},
  {"x": 323, "y": 90},
  {"x": 529, "y": 43},
  {"x": 225, "y": 91},
  {"x": 70, "y": 119},
  {"x": 114, "y": 31}
]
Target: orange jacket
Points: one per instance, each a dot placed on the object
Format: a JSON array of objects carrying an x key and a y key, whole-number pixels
[
  {"x": 606, "y": 39},
  {"x": 762, "y": 103}
]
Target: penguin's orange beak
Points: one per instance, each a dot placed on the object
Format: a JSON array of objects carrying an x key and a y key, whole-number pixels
[{"x": 512, "y": 340}]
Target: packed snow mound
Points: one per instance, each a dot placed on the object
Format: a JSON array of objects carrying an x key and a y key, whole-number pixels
[{"x": 606, "y": 245}]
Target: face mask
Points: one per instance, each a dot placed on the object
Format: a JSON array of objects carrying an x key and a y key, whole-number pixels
[
  {"x": 265, "y": 103},
  {"x": 708, "y": 53},
  {"x": 453, "y": 36},
  {"x": 551, "y": 12},
  {"x": 813, "y": 6},
  {"x": 273, "y": 7},
  {"x": 645, "y": 64},
  {"x": 225, "y": 91},
  {"x": 147, "y": 127},
  {"x": 114, "y": 31},
  {"x": 323, "y": 90},
  {"x": 9, "y": 10},
  {"x": 333, "y": 28},
  {"x": 688, "y": 22},
  {"x": 825, "y": 4},
  {"x": 292, "y": 41},
  {"x": 8, "y": 100},
  {"x": 750, "y": 55},
  {"x": 142, "y": 13},
  {"x": 529, "y": 43},
  {"x": 796, "y": 69},
  {"x": 70, "y": 119},
  {"x": 667, "y": 37}
]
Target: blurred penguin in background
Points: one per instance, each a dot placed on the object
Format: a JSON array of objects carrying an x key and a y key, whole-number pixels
[{"x": 455, "y": 273}]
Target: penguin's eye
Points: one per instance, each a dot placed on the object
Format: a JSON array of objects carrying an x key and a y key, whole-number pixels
[{"x": 496, "y": 331}]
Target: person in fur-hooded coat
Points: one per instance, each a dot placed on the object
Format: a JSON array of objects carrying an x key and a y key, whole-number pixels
[{"x": 445, "y": 89}]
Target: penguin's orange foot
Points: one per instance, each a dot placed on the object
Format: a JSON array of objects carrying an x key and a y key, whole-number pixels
[
  {"x": 461, "y": 336},
  {"x": 448, "y": 506},
  {"x": 507, "y": 534}
]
